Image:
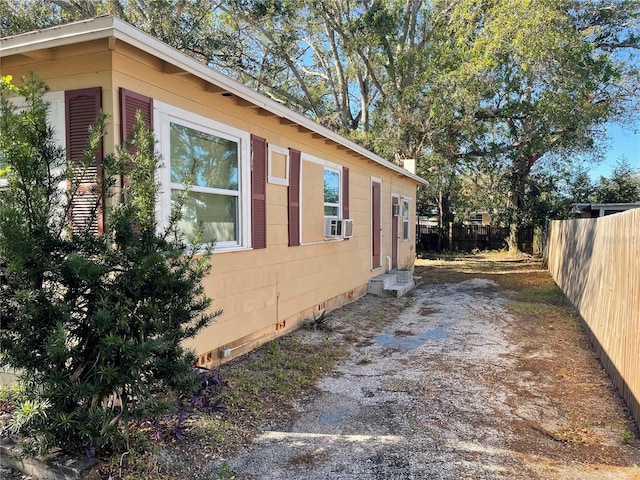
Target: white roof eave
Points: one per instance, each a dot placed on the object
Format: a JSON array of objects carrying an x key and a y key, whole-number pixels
[{"x": 105, "y": 27}]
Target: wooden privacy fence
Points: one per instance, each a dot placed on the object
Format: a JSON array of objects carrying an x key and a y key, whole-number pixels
[
  {"x": 465, "y": 238},
  {"x": 596, "y": 262}
]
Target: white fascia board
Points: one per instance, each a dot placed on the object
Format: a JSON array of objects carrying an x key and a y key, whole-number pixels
[
  {"x": 70, "y": 33},
  {"x": 106, "y": 27}
]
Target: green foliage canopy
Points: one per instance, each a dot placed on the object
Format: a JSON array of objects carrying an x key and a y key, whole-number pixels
[{"x": 623, "y": 186}]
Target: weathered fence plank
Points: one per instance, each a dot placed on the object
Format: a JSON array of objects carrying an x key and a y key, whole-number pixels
[{"x": 596, "y": 262}]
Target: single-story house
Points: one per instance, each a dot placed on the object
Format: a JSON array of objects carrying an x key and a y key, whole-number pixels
[
  {"x": 302, "y": 218},
  {"x": 594, "y": 210}
]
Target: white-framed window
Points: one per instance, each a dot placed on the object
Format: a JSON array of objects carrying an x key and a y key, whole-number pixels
[
  {"x": 332, "y": 192},
  {"x": 406, "y": 209},
  {"x": 278, "y": 172},
  {"x": 211, "y": 160}
]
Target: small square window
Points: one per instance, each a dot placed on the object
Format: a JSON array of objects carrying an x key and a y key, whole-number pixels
[{"x": 278, "y": 165}]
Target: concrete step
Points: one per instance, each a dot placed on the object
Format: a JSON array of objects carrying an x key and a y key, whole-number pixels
[
  {"x": 379, "y": 283},
  {"x": 399, "y": 289},
  {"x": 395, "y": 283},
  {"x": 402, "y": 276}
]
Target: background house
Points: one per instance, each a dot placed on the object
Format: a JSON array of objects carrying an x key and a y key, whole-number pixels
[
  {"x": 593, "y": 210},
  {"x": 479, "y": 217},
  {"x": 272, "y": 188}
]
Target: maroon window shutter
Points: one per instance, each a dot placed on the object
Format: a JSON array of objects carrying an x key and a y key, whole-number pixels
[
  {"x": 82, "y": 108},
  {"x": 130, "y": 103},
  {"x": 294, "y": 197},
  {"x": 258, "y": 192},
  {"x": 345, "y": 193}
]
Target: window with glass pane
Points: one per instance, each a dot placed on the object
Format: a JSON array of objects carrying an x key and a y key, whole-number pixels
[
  {"x": 331, "y": 193},
  {"x": 405, "y": 219},
  {"x": 208, "y": 165}
]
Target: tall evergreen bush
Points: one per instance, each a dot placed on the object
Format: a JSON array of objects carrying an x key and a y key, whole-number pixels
[{"x": 94, "y": 324}]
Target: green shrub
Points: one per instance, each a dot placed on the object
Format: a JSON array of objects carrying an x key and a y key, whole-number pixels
[{"x": 94, "y": 323}]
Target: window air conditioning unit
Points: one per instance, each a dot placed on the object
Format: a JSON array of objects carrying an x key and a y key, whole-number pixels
[
  {"x": 338, "y": 228},
  {"x": 397, "y": 210}
]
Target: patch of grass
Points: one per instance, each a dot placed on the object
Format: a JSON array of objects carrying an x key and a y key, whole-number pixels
[
  {"x": 223, "y": 473},
  {"x": 379, "y": 319},
  {"x": 535, "y": 309},
  {"x": 548, "y": 294},
  {"x": 208, "y": 428},
  {"x": 139, "y": 464},
  {"x": 626, "y": 435},
  {"x": 281, "y": 369},
  {"x": 499, "y": 266},
  {"x": 546, "y": 303},
  {"x": 162, "y": 459},
  {"x": 577, "y": 431},
  {"x": 438, "y": 272}
]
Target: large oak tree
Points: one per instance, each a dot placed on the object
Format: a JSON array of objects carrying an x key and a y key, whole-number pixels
[{"x": 545, "y": 82}]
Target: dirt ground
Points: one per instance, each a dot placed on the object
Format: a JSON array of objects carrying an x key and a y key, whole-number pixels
[{"x": 484, "y": 374}]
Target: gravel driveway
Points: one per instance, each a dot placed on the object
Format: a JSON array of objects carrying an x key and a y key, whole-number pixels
[{"x": 442, "y": 393}]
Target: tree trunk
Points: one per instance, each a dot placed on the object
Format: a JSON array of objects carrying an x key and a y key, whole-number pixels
[
  {"x": 512, "y": 240},
  {"x": 444, "y": 218},
  {"x": 440, "y": 221},
  {"x": 515, "y": 202}
]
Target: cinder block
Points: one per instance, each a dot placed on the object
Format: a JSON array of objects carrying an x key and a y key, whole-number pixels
[{"x": 57, "y": 465}]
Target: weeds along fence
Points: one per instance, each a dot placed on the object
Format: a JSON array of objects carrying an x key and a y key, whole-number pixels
[{"x": 596, "y": 262}]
